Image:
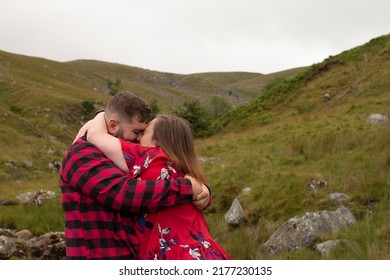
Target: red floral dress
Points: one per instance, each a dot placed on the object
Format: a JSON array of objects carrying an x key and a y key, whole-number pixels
[{"x": 174, "y": 233}]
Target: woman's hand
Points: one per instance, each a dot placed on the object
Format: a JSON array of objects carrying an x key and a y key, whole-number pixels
[{"x": 83, "y": 131}]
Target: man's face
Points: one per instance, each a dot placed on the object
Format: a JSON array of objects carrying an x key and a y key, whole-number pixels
[{"x": 132, "y": 131}]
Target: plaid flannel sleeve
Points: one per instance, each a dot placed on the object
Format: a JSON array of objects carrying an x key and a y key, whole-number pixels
[{"x": 87, "y": 170}]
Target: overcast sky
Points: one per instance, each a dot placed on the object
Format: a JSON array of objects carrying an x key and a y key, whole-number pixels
[{"x": 192, "y": 36}]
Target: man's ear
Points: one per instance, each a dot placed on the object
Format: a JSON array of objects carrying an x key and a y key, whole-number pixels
[{"x": 112, "y": 126}]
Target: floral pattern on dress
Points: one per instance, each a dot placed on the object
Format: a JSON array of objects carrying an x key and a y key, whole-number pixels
[
  {"x": 139, "y": 158},
  {"x": 165, "y": 240},
  {"x": 136, "y": 171},
  {"x": 147, "y": 162},
  {"x": 200, "y": 250},
  {"x": 164, "y": 175}
]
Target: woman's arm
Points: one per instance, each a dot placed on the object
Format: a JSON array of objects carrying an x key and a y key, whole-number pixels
[
  {"x": 83, "y": 131},
  {"x": 108, "y": 144}
]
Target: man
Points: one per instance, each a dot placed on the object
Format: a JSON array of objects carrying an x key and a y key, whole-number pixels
[{"x": 99, "y": 200}]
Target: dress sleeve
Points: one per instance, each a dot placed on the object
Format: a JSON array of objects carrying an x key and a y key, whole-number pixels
[
  {"x": 89, "y": 172},
  {"x": 133, "y": 154},
  {"x": 138, "y": 158}
]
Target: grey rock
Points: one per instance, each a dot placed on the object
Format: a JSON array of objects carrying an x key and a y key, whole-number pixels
[
  {"x": 300, "y": 232},
  {"x": 7, "y": 247},
  {"x": 338, "y": 198},
  {"x": 35, "y": 197},
  {"x": 377, "y": 119},
  {"x": 325, "y": 248},
  {"x": 235, "y": 213}
]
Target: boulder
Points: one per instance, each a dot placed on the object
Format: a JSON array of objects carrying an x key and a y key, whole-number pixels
[
  {"x": 7, "y": 247},
  {"x": 302, "y": 232},
  {"x": 235, "y": 213},
  {"x": 22, "y": 245}
]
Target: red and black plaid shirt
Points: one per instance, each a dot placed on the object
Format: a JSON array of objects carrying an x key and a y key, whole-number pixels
[{"x": 99, "y": 201}]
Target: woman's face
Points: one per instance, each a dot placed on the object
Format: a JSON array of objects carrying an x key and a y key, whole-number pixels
[{"x": 146, "y": 139}]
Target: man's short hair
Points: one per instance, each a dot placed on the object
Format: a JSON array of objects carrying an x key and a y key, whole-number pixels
[{"x": 126, "y": 105}]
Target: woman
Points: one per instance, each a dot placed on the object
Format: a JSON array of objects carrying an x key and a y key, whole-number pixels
[{"x": 166, "y": 150}]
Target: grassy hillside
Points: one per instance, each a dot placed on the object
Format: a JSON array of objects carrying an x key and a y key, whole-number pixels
[
  {"x": 292, "y": 134},
  {"x": 293, "y": 126},
  {"x": 248, "y": 84},
  {"x": 42, "y": 101},
  {"x": 353, "y": 78}
]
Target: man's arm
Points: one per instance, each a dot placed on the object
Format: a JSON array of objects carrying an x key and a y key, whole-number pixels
[{"x": 88, "y": 171}]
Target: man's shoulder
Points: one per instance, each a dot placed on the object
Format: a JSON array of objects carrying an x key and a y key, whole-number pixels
[
  {"x": 81, "y": 147},
  {"x": 79, "y": 153}
]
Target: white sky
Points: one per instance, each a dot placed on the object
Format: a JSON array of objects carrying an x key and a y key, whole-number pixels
[{"x": 192, "y": 36}]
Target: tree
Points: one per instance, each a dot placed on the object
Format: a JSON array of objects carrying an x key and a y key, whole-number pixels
[
  {"x": 113, "y": 87},
  {"x": 154, "y": 107},
  {"x": 88, "y": 107},
  {"x": 219, "y": 107},
  {"x": 196, "y": 115}
]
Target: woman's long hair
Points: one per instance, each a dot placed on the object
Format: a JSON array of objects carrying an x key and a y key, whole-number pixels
[{"x": 174, "y": 136}]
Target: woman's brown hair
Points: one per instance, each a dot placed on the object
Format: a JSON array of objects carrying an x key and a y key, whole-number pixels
[{"x": 174, "y": 136}]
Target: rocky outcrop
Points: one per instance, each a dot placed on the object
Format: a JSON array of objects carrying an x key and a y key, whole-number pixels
[
  {"x": 23, "y": 245},
  {"x": 36, "y": 197},
  {"x": 300, "y": 232}
]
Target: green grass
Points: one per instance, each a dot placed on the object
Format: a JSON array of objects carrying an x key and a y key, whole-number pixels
[
  {"x": 278, "y": 160},
  {"x": 286, "y": 136},
  {"x": 38, "y": 219}
]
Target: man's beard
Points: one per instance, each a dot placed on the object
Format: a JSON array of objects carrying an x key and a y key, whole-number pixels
[{"x": 119, "y": 133}]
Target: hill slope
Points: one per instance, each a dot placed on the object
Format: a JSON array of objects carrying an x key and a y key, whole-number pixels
[
  {"x": 359, "y": 75},
  {"x": 50, "y": 100},
  {"x": 312, "y": 125}
]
